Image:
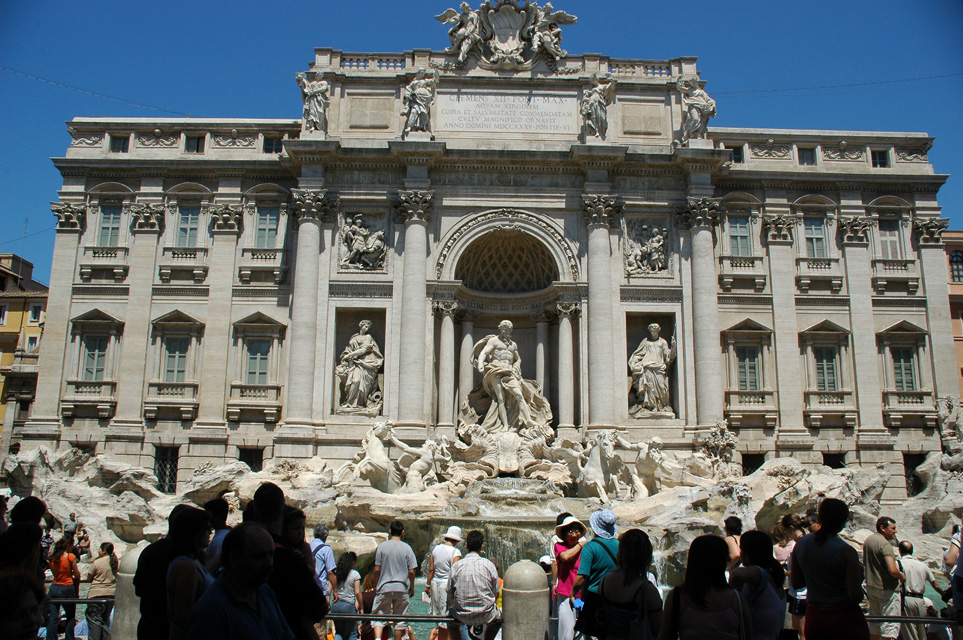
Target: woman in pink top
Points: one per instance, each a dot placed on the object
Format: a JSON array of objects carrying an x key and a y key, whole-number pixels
[
  {"x": 705, "y": 607},
  {"x": 571, "y": 532}
]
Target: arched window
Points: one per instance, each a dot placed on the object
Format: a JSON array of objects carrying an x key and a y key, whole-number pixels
[{"x": 956, "y": 266}]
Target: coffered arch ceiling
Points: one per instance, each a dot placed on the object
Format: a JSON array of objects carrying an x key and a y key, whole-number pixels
[{"x": 507, "y": 261}]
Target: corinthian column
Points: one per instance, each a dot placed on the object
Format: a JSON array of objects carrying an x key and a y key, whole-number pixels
[
  {"x": 311, "y": 207},
  {"x": 541, "y": 319},
  {"x": 466, "y": 372},
  {"x": 600, "y": 211},
  {"x": 446, "y": 362},
  {"x": 699, "y": 216},
  {"x": 415, "y": 208},
  {"x": 566, "y": 365}
]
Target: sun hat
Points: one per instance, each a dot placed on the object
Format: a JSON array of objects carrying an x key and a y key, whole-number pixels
[
  {"x": 569, "y": 520},
  {"x": 453, "y": 533},
  {"x": 603, "y": 523}
]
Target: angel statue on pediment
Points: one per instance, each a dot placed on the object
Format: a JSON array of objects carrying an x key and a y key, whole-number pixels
[
  {"x": 465, "y": 35},
  {"x": 546, "y": 32}
]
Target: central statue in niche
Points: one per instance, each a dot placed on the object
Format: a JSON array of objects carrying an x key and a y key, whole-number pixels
[{"x": 506, "y": 414}]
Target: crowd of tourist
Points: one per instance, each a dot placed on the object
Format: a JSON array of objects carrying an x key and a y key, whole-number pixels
[{"x": 263, "y": 580}]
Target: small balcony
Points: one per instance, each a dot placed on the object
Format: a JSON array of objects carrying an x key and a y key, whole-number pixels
[
  {"x": 751, "y": 408},
  {"x": 261, "y": 265},
  {"x": 189, "y": 262},
  {"x": 889, "y": 274},
  {"x": 174, "y": 397},
  {"x": 905, "y": 408},
  {"x": 830, "y": 408},
  {"x": 104, "y": 262},
  {"x": 810, "y": 271},
  {"x": 263, "y": 398},
  {"x": 97, "y": 395},
  {"x": 748, "y": 269}
]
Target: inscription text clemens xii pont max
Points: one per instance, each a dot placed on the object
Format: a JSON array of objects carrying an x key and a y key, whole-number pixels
[{"x": 524, "y": 113}]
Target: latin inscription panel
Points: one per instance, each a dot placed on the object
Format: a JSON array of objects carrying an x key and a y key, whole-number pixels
[{"x": 507, "y": 113}]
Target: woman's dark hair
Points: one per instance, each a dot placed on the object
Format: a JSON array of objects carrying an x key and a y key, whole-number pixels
[
  {"x": 756, "y": 549},
  {"x": 18, "y": 542},
  {"x": 108, "y": 548},
  {"x": 345, "y": 565},
  {"x": 560, "y": 518},
  {"x": 635, "y": 555},
  {"x": 706, "y": 567},
  {"x": 832, "y": 517},
  {"x": 30, "y": 509},
  {"x": 733, "y": 525},
  {"x": 185, "y": 529},
  {"x": 61, "y": 547},
  {"x": 781, "y": 535}
]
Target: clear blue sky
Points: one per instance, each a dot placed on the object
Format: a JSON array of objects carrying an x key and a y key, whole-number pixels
[{"x": 238, "y": 59}]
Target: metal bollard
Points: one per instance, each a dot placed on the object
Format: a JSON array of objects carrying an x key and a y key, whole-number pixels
[
  {"x": 126, "y": 603},
  {"x": 525, "y": 603}
]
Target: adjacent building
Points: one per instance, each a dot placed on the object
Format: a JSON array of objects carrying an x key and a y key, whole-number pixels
[{"x": 211, "y": 276}]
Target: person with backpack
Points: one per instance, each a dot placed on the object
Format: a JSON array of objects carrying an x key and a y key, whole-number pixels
[
  {"x": 761, "y": 578},
  {"x": 596, "y": 560},
  {"x": 631, "y": 604},
  {"x": 705, "y": 607},
  {"x": 324, "y": 564}
]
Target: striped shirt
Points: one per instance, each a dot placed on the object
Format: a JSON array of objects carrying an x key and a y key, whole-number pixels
[{"x": 472, "y": 589}]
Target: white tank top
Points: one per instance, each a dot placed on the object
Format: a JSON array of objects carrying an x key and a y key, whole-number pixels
[{"x": 443, "y": 556}]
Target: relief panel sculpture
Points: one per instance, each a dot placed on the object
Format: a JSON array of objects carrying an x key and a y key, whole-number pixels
[
  {"x": 649, "y": 366},
  {"x": 362, "y": 244},
  {"x": 357, "y": 374},
  {"x": 645, "y": 251}
]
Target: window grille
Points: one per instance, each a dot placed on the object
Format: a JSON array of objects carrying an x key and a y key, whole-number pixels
[{"x": 165, "y": 468}]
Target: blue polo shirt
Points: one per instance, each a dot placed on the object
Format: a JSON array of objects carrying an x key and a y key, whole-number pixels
[
  {"x": 220, "y": 613},
  {"x": 595, "y": 563}
]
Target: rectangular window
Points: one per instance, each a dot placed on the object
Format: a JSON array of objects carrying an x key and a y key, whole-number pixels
[
  {"x": 827, "y": 368},
  {"x": 119, "y": 144},
  {"x": 32, "y": 343},
  {"x": 194, "y": 144},
  {"x": 188, "y": 220},
  {"x": 807, "y": 156},
  {"x": 267, "y": 227},
  {"x": 748, "y": 365},
  {"x": 739, "y": 236},
  {"x": 880, "y": 158},
  {"x": 94, "y": 358},
  {"x": 258, "y": 352},
  {"x": 109, "y": 225},
  {"x": 175, "y": 359},
  {"x": 751, "y": 462},
  {"x": 889, "y": 248},
  {"x": 272, "y": 144},
  {"x": 36, "y": 313},
  {"x": 3, "y": 314},
  {"x": 735, "y": 153},
  {"x": 252, "y": 457},
  {"x": 165, "y": 468},
  {"x": 835, "y": 460},
  {"x": 904, "y": 369},
  {"x": 815, "y": 229}
]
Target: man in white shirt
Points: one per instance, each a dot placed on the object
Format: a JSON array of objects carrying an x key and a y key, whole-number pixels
[{"x": 917, "y": 575}]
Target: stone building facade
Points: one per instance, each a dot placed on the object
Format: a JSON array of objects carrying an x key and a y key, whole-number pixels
[{"x": 210, "y": 276}]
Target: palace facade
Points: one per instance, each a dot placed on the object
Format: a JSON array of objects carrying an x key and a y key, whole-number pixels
[{"x": 210, "y": 276}]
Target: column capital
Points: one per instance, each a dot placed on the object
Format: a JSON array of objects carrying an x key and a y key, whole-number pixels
[
  {"x": 445, "y": 307},
  {"x": 70, "y": 216},
  {"x": 601, "y": 209},
  {"x": 700, "y": 212},
  {"x": 779, "y": 227},
  {"x": 570, "y": 309},
  {"x": 414, "y": 205},
  {"x": 314, "y": 204},
  {"x": 467, "y": 315},
  {"x": 930, "y": 230},
  {"x": 543, "y": 315},
  {"x": 226, "y": 218},
  {"x": 855, "y": 229},
  {"x": 147, "y": 216}
]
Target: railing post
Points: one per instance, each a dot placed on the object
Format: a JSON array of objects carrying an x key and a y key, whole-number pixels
[
  {"x": 126, "y": 603},
  {"x": 525, "y": 602}
]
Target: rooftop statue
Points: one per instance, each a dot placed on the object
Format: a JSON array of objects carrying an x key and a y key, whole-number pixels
[
  {"x": 697, "y": 108},
  {"x": 416, "y": 103},
  {"x": 594, "y": 106},
  {"x": 315, "y": 96},
  {"x": 465, "y": 35}
]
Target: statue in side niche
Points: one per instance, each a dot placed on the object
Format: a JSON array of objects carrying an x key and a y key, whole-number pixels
[
  {"x": 416, "y": 103},
  {"x": 649, "y": 368},
  {"x": 594, "y": 106},
  {"x": 465, "y": 33},
  {"x": 315, "y": 96},
  {"x": 358, "y": 371},
  {"x": 697, "y": 108}
]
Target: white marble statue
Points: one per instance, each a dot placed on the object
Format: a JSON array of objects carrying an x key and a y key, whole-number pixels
[
  {"x": 362, "y": 248},
  {"x": 372, "y": 463},
  {"x": 546, "y": 32},
  {"x": 315, "y": 96},
  {"x": 358, "y": 371},
  {"x": 600, "y": 468},
  {"x": 651, "y": 467},
  {"x": 649, "y": 368},
  {"x": 594, "y": 106},
  {"x": 496, "y": 358},
  {"x": 697, "y": 108},
  {"x": 465, "y": 34},
  {"x": 416, "y": 103},
  {"x": 645, "y": 250},
  {"x": 423, "y": 465}
]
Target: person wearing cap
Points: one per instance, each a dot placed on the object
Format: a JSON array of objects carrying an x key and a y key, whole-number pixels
[
  {"x": 597, "y": 560},
  {"x": 567, "y": 552},
  {"x": 442, "y": 557},
  {"x": 917, "y": 576}
]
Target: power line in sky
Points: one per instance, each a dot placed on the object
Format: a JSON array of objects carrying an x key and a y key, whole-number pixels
[
  {"x": 25, "y": 236},
  {"x": 836, "y": 86},
  {"x": 93, "y": 93}
]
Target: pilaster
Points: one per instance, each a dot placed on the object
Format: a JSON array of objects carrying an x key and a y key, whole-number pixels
[
  {"x": 566, "y": 364},
  {"x": 929, "y": 234},
  {"x": 446, "y": 362}
]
